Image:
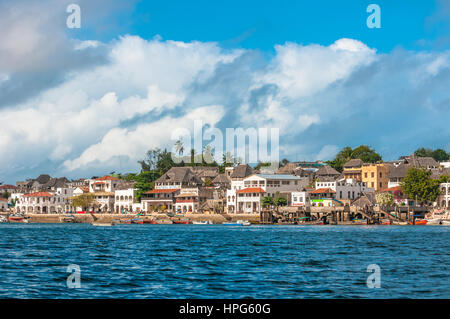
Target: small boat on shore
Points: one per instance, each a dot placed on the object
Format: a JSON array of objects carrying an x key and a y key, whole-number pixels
[
  {"x": 150, "y": 221},
  {"x": 203, "y": 222},
  {"x": 137, "y": 221},
  {"x": 445, "y": 222},
  {"x": 103, "y": 224},
  {"x": 385, "y": 221},
  {"x": 237, "y": 223},
  {"x": 418, "y": 222},
  {"x": 3, "y": 219},
  {"x": 183, "y": 222},
  {"x": 399, "y": 223},
  {"x": 433, "y": 221},
  {"x": 17, "y": 219},
  {"x": 359, "y": 222}
]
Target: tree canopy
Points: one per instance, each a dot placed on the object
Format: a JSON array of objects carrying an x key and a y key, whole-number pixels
[
  {"x": 438, "y": 154},
  {"x": 363, "y": 152},
  {"x": 418, "y": 185}
]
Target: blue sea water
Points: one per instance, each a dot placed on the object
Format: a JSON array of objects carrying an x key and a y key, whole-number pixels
[{"x": 215, "y": 261}]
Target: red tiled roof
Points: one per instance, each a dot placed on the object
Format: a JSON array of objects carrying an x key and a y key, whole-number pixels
[
  {"x": 392, "y": 189},
  {"x": 158, "y": 191},
  {"x": 107, "y": 178},
  {"x": 251, "y": 190},
  {"x": 39, "y": 194},
  {"x": 7, "y": 187},
  {"x": 98, "y": 183},
  {"x": 3, "y": 199},
  {"x": 322, "y": 191}
]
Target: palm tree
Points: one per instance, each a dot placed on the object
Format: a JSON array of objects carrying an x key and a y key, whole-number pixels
[
  {"x": 179, "y": 147},
  {"x": 267, "y": 201}
]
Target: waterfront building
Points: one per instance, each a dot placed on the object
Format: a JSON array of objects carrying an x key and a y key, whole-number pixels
[
  {"x": 352, "y": 169},
  {"x": 245, "y": 193},
  {"x": 444, "y": 198},
  {"x": 187, "y": 200},
  {"x": 45, "y": 202},
  {"x": 103, "y": 184},
  {"x": 375, "y": 175},
  {"x": 299, "y": 199},
  {"x": 124, "y": 199},
  {"x": 345, "y": 189},
  {"x": 177, "y": 178},
  {"x": 164, "y": 198},
  {"x": 396, "y": 174}
]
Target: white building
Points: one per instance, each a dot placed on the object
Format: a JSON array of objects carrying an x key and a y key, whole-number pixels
[
  {"x": 245, "y": 195},
  {"x": 187, "y": 200},
  {"x": 345, "y": 189},
  {"x": 45, "y": 202},
  {"x": 124, "y": 200},
  {"x": 299, "y": 199},
  {"x": 444, "y": 198}
]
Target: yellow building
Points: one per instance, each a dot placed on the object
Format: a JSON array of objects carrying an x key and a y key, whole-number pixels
[{"x": 375, "y": 175}]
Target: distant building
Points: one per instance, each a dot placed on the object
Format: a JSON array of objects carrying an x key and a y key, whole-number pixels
[
  {"x": 444, "y": 199},
  {"x": 345, "y": 189},
  {"x": 352, "y": 169},
  {"x": 375, "y": 175}
]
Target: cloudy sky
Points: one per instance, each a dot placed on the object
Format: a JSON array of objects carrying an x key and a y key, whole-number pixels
[{"x": 88, "y": 101}]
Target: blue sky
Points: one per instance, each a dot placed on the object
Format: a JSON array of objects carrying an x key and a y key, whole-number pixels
[
  {"x": 83, "y": 102},
  {"x": 262, "y": 24}
]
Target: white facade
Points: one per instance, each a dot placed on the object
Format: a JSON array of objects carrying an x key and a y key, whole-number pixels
[
  {"x": 444, "y": 198},
  {"x": 346, "y": 189},
  {"x": 45, "y": 202},
  {"x": 124, "y": 199},
  {"x": 187, "y": 200},
  {"x": 394, "y": 182},
  {"x": 249, "y": 202},
  {"x": 299, "y": 198},
  {"x": 445, "y": 164}
]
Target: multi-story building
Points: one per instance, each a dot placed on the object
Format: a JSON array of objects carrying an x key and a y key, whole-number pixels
[
  {"x": 299, "y": 199},
  {"x": 3, "y": 204},
  {"x": 164, "y": 198},
  {"x": 352, "y": 169},
  {"x": 396, "y": 174},
  {"x": 444, "y": 198},
  {"x": 345, "y": 189},
  {"x": 246, "y": 193},
  {"x": 375, "y": 175},
  {"x": 45, "y": 202},
  {"x": 124, "y": 199}
]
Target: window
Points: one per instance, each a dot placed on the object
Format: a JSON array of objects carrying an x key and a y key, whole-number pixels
[
  {"x": 373, "y": 184},
  {"x": 365, "y": 175},
  {"x": 372, "y": 175}
]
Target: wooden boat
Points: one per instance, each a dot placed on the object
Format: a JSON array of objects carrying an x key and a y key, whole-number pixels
[
  {"x": 150, "y": 221},
  {"x": 203, "y": 222},
  {"x": 3, "y": 219},
  {"x": 385, "y": 222},
  {"x": 399, "y": 223},
  {"x": 237, "y": 223},
  {"x": 102, "y": 224},
  {"x": 445, "y": 222},
  {"x": 184, "y": 222},
  {"x": 137, "y": 221},
  {"x": 359, "y": 222},
  {"x": 433, "y": 221},
  {"x": 17, "y": 219},
  {"x": 418, "y": 222}
]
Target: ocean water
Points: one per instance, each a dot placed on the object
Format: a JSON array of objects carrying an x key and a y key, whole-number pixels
[{"x": 215, "y": 261}]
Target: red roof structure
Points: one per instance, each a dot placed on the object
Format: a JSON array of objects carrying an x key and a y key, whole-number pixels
[
  {"x": 7, "y": 186},
  {"x": 39, "y": 194},
  {"x": 323, "y": 191},
  {"x": 107, "y": 178},
  {"x": 251, "y": 190}
]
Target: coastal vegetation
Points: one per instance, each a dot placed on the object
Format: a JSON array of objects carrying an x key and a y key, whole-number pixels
[
  {"x": 362, "y": 152},
  {"x": 438, "y": 154},
  {"x": 419, "y": 185}
]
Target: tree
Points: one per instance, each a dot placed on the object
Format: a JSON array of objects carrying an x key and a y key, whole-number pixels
[
  {"x": 280, "y": 201},
  {"x": 267, "y": 201},
  {"x": 363, "y": 152},
  {"x": 83, "y": 200},
  {"x": 384, "y": 199},
  {"x": 438, "y": 154},
  {"x": 262, "y": 164},
  {"x": 227, "y": 161},
  {"x": 418, "y": 185}
]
